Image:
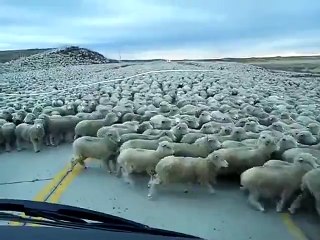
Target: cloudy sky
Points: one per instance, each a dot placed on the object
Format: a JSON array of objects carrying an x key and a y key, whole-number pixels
[{"x": 164, "y": 28}]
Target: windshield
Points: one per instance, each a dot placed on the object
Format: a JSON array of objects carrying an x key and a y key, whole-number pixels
[{"x": 166, "y": 113}]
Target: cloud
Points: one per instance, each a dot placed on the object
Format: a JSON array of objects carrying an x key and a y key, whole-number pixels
[{"x": 168, "y": 28}]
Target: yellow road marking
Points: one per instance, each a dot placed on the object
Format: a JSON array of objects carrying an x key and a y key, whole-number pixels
[
  {"x": 295, "y": 231},
  {"x": 48, "y": 188},
  {"x": 56, "y": 195}
]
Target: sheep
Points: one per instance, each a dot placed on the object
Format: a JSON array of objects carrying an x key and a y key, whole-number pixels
[
  {"x": 94, "y": 147},
  {"x": 58, "y": 127},
  {"x": 200, "y": 148},
  {"x": 144, "y": 126},
  {"x": 305, "y": 137},
  {"x": 290, "y": 154},
  {"x": 188, "y": 170},
  {"x": 130, "y": 136},
  {"x": 127, "y": 127},
  {"x": 30, "y": 133},
  {"x": 144, "y": 144},
  {"x": 310, "y": 183},
  {"x": 314, "y": 128},
  {"x": 242, "y": 158},
  {"x": 137, "y": 160},
  {"x": 160, "y": 122},
  {"x": 281, "y": 181},
  {"x": 285, "y": 143},
  {"x": 91, "y": 127},
  {"x": 204, "y": 117},
  {"x": 276, "y": 163},
  {"x": 18, "y": 116},
  {"x": 238, "y": 134},
  {"x": 8, "y": 132},
  {"x": 192, "y": 137},
  {"x": 179, "y": 131},
  {"x": 29, "y": 118},
  {"x": 233, "y": 144}
]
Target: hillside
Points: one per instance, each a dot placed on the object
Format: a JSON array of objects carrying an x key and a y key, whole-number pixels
[{"x": 8, "y": 55}]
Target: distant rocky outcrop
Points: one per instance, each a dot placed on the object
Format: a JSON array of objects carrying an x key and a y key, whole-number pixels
[{"x": 61, "y": 57}]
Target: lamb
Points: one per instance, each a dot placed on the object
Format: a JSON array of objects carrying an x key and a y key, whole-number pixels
[
  {"x": 237, "y": 134},
  {"x": 130, "y": 136},
  {"x": 125, "y": 128},
  {"x": 310, "y": 184},
  {"x": 242, "y": 158},
  {"x": 285, "y": 143},
  {"x": 233, "y": 144},
  {"x": 188, "y": 170},
  {"x": 180, "y": 130},
  {"x": 204, "y": 117},
  {"x": 290, "y": 154},
  {"x": 59, "y": 127},
  {"x": 30, "y": 133},
  {"x": 192, "y": 137},
  {"x": 137, "y": 160},
  {"x": 305, "y": 137},
  {"x": 94, "y": 147},
  {"x": 280, "y": 181},
  {"x": 314, "y": 128},
  {"x": 91, "y": 127},
  {"x": 8, "y": 132},
  {"x": 29, "y": 118},
  {"x": 201, "y": 148},
  {"x": 144, "y": 144},
  {"x": 144, "y": 126}
]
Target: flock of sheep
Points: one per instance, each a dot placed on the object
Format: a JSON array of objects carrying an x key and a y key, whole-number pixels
[{"x": 184, "y": 127}]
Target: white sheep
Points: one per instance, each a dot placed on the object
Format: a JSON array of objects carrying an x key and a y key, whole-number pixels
[
  {"x": 290, "y": 154},
  {"x": 91, "y": 127},
  {"x": 273, "y": 182},
  {"x": 98, "y": 148},
  {"x": 144, "y": 144},
  {"x": 137, "y": 160},
  {"x": 30, "y": 133},
  {"x": 188, "y": 170},
  {"x": 310, "y": 184},
  {"x": 124, "y": 128},
  {"x": 306, "y": 137},
  {"x": 8, "y": 132},
  {"x": 202, "y": 147},
  {"x": 242, "y": 158}
]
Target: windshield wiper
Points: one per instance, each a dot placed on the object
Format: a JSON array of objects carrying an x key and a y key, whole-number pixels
[{"x": 63, "y": 215}]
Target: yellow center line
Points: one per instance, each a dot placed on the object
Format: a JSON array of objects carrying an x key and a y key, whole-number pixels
[{"x": 293, "y": 229}]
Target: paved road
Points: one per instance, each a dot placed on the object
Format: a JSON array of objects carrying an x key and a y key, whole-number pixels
[{"x": 225, "y": 215}]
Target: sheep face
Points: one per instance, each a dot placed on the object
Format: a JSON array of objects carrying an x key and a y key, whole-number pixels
[
  {"x": 217, "y": 160},
  {"x": 314, "y": 128},
  {"x": 250, "y": 126},
  {"x": 165, "y": 124},
  {"x": 225, "y": 131},
  {"x": 287, "y": 142},
  {"x": 306, "y": 161},
  {"x": 165, "y": 148},
  {"x": 305, "y": 137},
  {"x": 113, "y": 135},
  {"x": 207, "y": 128},
  {"x": 164, "y": 106},
  {"x": 213, "y": 143},
  {"x": 268, "y": 142},
  {"x": 277, "y": 127},
  {"x": 111, "y": 118},
  {"x": 238, "y": 133}
]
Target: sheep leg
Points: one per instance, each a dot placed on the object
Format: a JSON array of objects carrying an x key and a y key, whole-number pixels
[
  {"x": 107, "y": 164},
  {"x": 35, "y": 144},
  {"x": 126, "y": 175},
  {"x": 253, "y": 200},
  {"x": 285, "y": 195},
  {"x": 210, "y": 188},
  {"x": 297, "y": 203},
  {"x": 47, "y": 140},
  {"x": 8, "y": 147},
  {"x": 153, "y": 185},
  {"x": 51, "y": 140},
  {"x": 18, "y": 143},
  {"x": 317, "y": 198}
]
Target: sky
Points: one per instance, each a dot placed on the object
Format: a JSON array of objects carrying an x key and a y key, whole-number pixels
[{"x": 171, "y": 29}]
